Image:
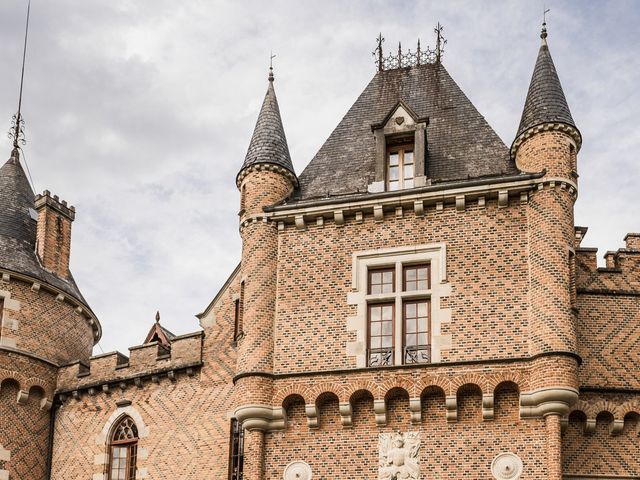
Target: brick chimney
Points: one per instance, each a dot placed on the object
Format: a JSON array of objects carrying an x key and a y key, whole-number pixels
[{"x": 53, "y": 240}]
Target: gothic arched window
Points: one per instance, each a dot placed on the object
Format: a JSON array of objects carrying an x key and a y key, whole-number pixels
[{"x": 123, "y": 448}]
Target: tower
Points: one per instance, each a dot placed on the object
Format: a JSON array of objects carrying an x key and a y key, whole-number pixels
[
  {"x": 267, "y": 177},
  {"x": 547, "y": 142}
]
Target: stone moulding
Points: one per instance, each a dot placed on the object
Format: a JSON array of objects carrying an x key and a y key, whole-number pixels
[
  {"x": 260, "y": 418},
  {"x": 547, "y": 401},
  {"x": 570, "y": 130}
]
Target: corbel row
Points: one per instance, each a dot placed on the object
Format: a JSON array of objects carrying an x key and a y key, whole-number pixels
[
  {"x": 23, "y": 398},
  {"x": 615, "y": 427}
]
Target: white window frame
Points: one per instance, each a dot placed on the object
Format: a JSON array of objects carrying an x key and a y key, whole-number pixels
[{"x": 397, "y": 257}]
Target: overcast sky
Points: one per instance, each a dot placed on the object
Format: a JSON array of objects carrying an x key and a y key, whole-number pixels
[{"x": 140, "y": 112}]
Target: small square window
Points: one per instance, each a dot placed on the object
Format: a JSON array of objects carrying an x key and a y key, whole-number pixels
[
  {"x": 381, "y": 281},
  {"x": 417, "y": 277}
]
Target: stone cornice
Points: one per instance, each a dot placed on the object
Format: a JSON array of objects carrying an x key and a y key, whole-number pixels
[
  {"x": 570, "y": 130},
  {"x": 268, "y": 167},
  {"x": 61, "y": 295}
]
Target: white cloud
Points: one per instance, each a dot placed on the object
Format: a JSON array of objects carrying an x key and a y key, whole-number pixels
[{"x": 140, "y": 113}]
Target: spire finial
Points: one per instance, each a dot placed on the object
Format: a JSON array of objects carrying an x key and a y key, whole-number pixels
[
  {"x": 440, "y": 42},
  {"x": 378, "y": 52},
  {"x": 271, "y": 78},
  {"x": 543, "y": 33},
  {"x": 17, "y": 124},
  {"x": 158, "y": 316}
]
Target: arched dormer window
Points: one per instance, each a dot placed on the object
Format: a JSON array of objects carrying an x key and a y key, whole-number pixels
[{"x": 123, "y": 449}]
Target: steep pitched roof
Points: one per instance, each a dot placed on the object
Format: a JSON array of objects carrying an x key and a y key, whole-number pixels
[
  {"x": 158, "y": 333},
  {"x": 461, "y": 144},
  {"x": 545, "y": 101},
  {"x": 268, "y": 142},
  {"x": 18, "y": 228}
]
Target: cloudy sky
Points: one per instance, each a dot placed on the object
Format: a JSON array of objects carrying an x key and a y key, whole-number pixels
[{"x": 139, "y": 113}]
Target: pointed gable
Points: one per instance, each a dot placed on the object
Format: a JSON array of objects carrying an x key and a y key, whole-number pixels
[
  {"x": 268, "y": 143},
  {"x": 545, "y": 101},
  {"x": 460, "y": 143}
]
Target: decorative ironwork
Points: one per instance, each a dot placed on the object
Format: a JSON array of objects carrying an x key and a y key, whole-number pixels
[
  {"x": 406, "y": 59},
  {"x": 125, "y": 431},
  {"x": 417, "y": 354},
  {"x": 16, "y": 133},
  {"x": 380, "y": 357}
]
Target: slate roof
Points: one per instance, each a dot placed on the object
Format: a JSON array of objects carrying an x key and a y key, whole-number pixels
[
  {"x": 18, "y": 229},
  {"x": 545, "y": 99},
  {"x": 268, "y": 142},
  {"x": 461, "y": 144}
]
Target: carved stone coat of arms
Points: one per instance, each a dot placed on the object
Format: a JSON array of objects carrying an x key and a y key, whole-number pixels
[{"x": 399, "y": 456}]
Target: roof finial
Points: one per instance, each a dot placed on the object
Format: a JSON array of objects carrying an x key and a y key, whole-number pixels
[
  {"x": 17, "y": 123},
  {"x": 543, "y": 34},
  {"x": 440, "y": 42},
  {"x": 158, "y": 316},
  {"x": 378, "y": 52},
  {"x": 271, "y": 78}
]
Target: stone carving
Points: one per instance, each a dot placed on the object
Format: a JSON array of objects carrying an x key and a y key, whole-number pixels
[
  {"x": 399, "y": 456},
  {"x": 506, "y": 466},
  {"x": 297, "y": 470}
]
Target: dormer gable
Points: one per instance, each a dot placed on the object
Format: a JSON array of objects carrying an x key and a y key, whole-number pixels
[{"x": 401, "y": 146}]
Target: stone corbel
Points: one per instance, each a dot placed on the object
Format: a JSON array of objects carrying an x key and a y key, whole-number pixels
[
  {"x": 338, "y": 218},
  {"x": 564, "y": 423},
  {"x": 380, "y": 410},
  {"x": 346, "y": 413},
  {"x": 22, "y": 397},
  {"x": 451, "y": 402},
  {"x": 487, "y": 406},
  {"x": 46, "y": 404},
  {"x": 312, "y": 415},
  {"x": 415, "y": 406},
  {"x": 547, "y": 401},
  {"x": 378, "y": 213},
  {"x": 616, "y": 427},
  {"x": 418, "y": 208},
  {"x": 503, "y": 198},
  {"x": 261, "y": 418},
  {"x": 590, "y": 426}
]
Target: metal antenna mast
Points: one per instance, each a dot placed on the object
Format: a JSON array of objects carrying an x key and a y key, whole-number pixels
[{"x": 17, "y": 132}]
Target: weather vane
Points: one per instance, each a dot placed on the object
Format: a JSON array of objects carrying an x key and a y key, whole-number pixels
[
  {"x": 440, "y": 41},
  {"x": 17, "y": 124},
  {"x": 543, "y": 34}
]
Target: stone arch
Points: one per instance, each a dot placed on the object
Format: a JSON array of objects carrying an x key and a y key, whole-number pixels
[
  {"x": 9, "y": 375},
  {"x": 443, "y": 383},
  {"x": 516, "y": 377},
  {"x": 469, "y": 402},
  {"x": 291, "y": 399},
  {"x": 116, "y": 416},
  {"x": 322, "y": 390},
  {"x": 605, "y": 406},
  {"x": 477, "y": 380},
  {"x": 506, "y": 401},
  {"x": 299, "y": 390}
]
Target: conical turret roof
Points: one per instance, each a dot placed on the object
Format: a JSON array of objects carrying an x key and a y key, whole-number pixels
[
  {"x": 545, "y": 102},
  {"x": 269, "y": 143},
  {"x": 18, "y": 225}
]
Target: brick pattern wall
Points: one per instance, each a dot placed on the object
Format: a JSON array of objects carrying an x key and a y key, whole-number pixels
[
  {"x": 486, "y": 267},
  {"x": 46, "y": 327},
  {"x": 24, "y": 425},
  {"x": 53, "y": 237}
]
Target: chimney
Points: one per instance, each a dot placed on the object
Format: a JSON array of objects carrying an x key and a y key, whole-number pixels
[{"x": 53, "y": 240}]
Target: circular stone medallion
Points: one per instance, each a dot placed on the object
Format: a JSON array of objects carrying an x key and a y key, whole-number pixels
[
  {"x": 297, "y": 470},
  {"x": 506, "y": 466}
]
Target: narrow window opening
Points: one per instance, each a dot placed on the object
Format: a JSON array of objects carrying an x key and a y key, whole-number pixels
[
  {"x": 574, "y": 160},
  {"x": 243, "y": 192},
  {"x": 400, "y": 171},
  {"x": 123, "y": 450},
  {"x": 381, "y": 327},
  {"x": 236, "y": 324},
  {"x": 236, "y": 451},
  {"x": 572, "y": 278},
  {"x": 1, "y": 315}
]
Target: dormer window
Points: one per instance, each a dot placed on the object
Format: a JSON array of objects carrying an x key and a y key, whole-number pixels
[{"x": 400, "y": 167}]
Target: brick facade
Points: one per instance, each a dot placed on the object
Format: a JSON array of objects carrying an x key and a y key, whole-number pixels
[{"x": 533, "y": 348}]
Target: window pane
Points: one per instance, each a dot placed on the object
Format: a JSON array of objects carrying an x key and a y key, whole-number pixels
[
  {"x": 386, "y": 342},
  {"x": 410, "y": 273},
  {"x": 393, "y": 173},
  {"x": 408, "y": 157},
  {"x": 422, "y": 273},
  {"x": 387, "y": 288},
  {"x": 422, "y": 309},
  {"x": 411, "y": 326},
  {"x": 422, "y": 324},
  {"x": 408, "y": 171},
  {"x": 422, "y": 339},
  {"x": 386, "y": 328},
  {"x": 387, "y": 312},
  {"x": 411, "y": 340},
  {"x": 376, "y": 342},
  {"x": 408, "y": 184},
  {"x": 422, "y": 285},
  {"x": 375, "y": 329},
  {"x": 376, "y": 278},
  {"x": 410, "y": 310},
  {"x": 393, "y": 159},
  {"x": 388, "y": 277},
  {"x": 375, "y": 314},
  {"x": 393, "y": 186}
]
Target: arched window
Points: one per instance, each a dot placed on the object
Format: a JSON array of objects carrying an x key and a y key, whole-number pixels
[{"x": 123, "y": 449}]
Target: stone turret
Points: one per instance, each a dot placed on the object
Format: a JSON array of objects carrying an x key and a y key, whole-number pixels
[
  {"x": 266, "y": 178},
  {"x": 548, "y": 141},
  {"x": 44, "y": 320}
]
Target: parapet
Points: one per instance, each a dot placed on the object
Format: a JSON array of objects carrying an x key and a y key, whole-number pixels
[
  {"x": 619, "y": 275},
  {"x": 56, "y": 204},
  {"x": 150, "y": 361}
]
